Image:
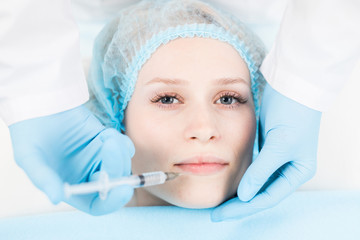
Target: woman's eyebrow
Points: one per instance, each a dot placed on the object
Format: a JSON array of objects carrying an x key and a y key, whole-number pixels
[
  {"x": 228, "y": 81},
  {"x": 176, "y": 81},
  {"x": 168, "y": 81}
]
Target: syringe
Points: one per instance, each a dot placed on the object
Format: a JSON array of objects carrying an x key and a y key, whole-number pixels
[{"x": 103, "y": 185}]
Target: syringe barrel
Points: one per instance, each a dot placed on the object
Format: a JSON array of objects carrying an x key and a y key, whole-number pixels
[
  {"x": 141, "y": 180},
  {"x": 152, "y": 178}
]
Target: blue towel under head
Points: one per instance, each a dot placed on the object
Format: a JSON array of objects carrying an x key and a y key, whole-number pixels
[{"x": 304, "y": 215}]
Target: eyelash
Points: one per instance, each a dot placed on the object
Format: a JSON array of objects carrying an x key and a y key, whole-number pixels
[
  {"x": 160, "y": 96},
  {"x": 239, "y": 99}
]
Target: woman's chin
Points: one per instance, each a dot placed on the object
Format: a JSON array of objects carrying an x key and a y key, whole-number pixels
[
  {"x": 199, "y": 203},
  {"x": 188, "y": 194}
]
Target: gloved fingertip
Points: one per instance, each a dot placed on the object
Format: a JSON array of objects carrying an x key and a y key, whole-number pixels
[
  {"x": 245, "y": 197},
  {"x": 55, "y": 194},
  {"x": 55, "y": 199},
  {"x": 244, "y": 193}
]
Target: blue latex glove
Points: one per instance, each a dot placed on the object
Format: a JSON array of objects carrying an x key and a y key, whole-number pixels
[
  {"x": 73, "y": 146},
  {"x": 289, "y": 135}
]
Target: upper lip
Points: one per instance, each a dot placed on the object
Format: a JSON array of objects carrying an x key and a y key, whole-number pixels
[{"x": 200, "y": 159}]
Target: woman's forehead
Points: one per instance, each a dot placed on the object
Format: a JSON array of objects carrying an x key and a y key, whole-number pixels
[{"x": 195, "y": 58}]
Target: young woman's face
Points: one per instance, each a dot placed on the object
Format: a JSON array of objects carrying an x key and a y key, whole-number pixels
[{"x": 192, "y": 112}]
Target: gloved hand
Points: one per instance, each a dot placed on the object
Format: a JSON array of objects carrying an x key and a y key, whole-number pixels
[
  {"x": 289, "y": 135},
  {"x": 73, "y": 146}
]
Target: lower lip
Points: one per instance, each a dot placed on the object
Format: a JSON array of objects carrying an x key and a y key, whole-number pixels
[{"x": 202, "y": 168}]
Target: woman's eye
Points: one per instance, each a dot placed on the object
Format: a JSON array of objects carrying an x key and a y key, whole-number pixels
[
  {"x": 227, "y": 100},
  {"x": 168, "y": 100}
]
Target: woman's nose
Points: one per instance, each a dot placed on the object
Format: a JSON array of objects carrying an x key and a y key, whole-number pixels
[{"x": 201, "y": 126}]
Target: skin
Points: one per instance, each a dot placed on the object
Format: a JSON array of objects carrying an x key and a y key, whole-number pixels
[{"x": 192, "y": 100}]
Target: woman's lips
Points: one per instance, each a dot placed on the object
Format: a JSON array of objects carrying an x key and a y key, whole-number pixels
[
  {"x": 202, "y": 165},
  {"x": 201, "y": 168}
]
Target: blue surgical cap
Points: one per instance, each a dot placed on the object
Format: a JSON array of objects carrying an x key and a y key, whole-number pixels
[{"x": 127, "y": 42}]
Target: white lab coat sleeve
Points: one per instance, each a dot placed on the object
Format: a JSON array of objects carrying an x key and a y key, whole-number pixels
[
  {"x": 40, "y": 63},
  {"x": 315, "y": 52}
]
